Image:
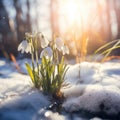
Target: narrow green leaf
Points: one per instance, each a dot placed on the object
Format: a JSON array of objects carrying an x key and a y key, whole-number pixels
[
  {"x": 106, "y": 45},
  {"x": 109, "y": 50},
  {"x": 30, "y": 72}
]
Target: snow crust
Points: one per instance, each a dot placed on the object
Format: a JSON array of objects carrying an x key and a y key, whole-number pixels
[
  {"x": 18, "y": 99},
  {"x": 93, "y": 87}
]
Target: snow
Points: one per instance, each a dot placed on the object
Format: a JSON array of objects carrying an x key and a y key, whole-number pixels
[
  {"x": 18, "y": 98},
  {"x": 48, "y": 115},
  {"x": 93, "y": 87},
  {"x": 96, "y": 89}
]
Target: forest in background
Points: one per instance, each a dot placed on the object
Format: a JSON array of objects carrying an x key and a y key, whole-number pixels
[{"x": 97, "y": 20}]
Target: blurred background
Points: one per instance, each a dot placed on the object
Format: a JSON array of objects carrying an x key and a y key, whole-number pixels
[{"x": 98, "y": 21}]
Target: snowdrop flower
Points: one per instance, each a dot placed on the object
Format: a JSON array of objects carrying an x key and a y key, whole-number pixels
[
  {"x": 65, "y": 50},
  {"x": 44, "y": 41},
  {"x": 24, "y": 46},
  {"x": 59, "y": 43},
  {"x": 47, "y": 52},
  {"x": 29, "y": 35}
]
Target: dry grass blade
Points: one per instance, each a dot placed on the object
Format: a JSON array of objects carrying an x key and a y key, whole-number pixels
[
  {"x": 108, "y": 48},
  {"x": 106, "y": 45},
  {"x": 83, "y": 50},
  {"x": 15, "y": 63}
]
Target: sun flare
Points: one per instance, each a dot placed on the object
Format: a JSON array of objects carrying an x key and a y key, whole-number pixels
[
  {"x": 71, "y": 12},
  {"x": 74, "y": 12}
]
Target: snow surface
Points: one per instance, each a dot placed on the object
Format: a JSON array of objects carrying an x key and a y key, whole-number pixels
[{"x": 93, "y": 87}]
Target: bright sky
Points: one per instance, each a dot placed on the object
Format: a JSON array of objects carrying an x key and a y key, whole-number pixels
[{"x": 74, "y": 15}]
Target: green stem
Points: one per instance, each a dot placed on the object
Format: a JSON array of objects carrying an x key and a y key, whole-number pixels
[
  {"x": 54, "y": 55},
  {"x": 36, "y": 53},
  {"x": 32, "y": 55},
  {"x": 57, "y": 57}
]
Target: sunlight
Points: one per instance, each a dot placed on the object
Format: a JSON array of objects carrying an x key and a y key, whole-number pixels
[
  {"x": 71, "y": 12},
  {"x": 75, "y": 13},
  {"x": 76, "y": 18}
]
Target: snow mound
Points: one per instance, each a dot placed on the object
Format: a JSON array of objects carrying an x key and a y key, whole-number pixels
[
  {"x": 49, "y": 115},
  {"x": 18, "y": 99},
  {"x": 95, "y": 88},
  {"x": 23, "y": 106}
]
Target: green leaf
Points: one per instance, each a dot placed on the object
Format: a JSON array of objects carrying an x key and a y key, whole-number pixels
[
  {"x": 30, "y": 72},
  {"x": 108, "y": 48},
  {"x": 62, "y": 60},
  {"x": 105, "y": 46}
]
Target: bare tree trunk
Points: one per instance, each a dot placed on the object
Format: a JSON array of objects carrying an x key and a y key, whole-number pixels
[
  {"x": 28, "y": 22},
  {"x": 19, "y": 21},
  {"x": 36, "y": 8},
  {"x": 108, "y": 29},
  {"x": 102, "y": 32},
  {"x": 54, "y": 17},
  {"x": 4, "y": 30},
  {"x": 4, "y": 20},
  {"x": 116, "y": 5}
]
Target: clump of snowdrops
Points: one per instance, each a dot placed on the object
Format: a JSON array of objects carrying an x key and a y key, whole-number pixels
[{"x": 49, "y": 74}]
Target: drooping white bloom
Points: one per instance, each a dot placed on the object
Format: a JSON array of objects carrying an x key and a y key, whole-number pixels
[
  {"x": 59, "y": 43},
  {"x": 47, "y": 52},
  {"x": 65, "y": 50},
  {"x": 24, "y": 46},
  {"x": 44, "y": 41},
  {"x": 29, "y": 35}
]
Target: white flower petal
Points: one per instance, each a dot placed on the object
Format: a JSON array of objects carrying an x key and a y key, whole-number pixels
[
  {"x": 19, "y": 47},
  {"x": 28, "y": 49},
  {"x": 24, "y": 46},
  {"x": 22, "y": 51},
  {"x": 65, "y": 50},
  {"x": 59, "y": 43},
  {"x": 44, "y": 42},
  {"x": 47, "y": 52},
  {"x": 29, "y": 35}
]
